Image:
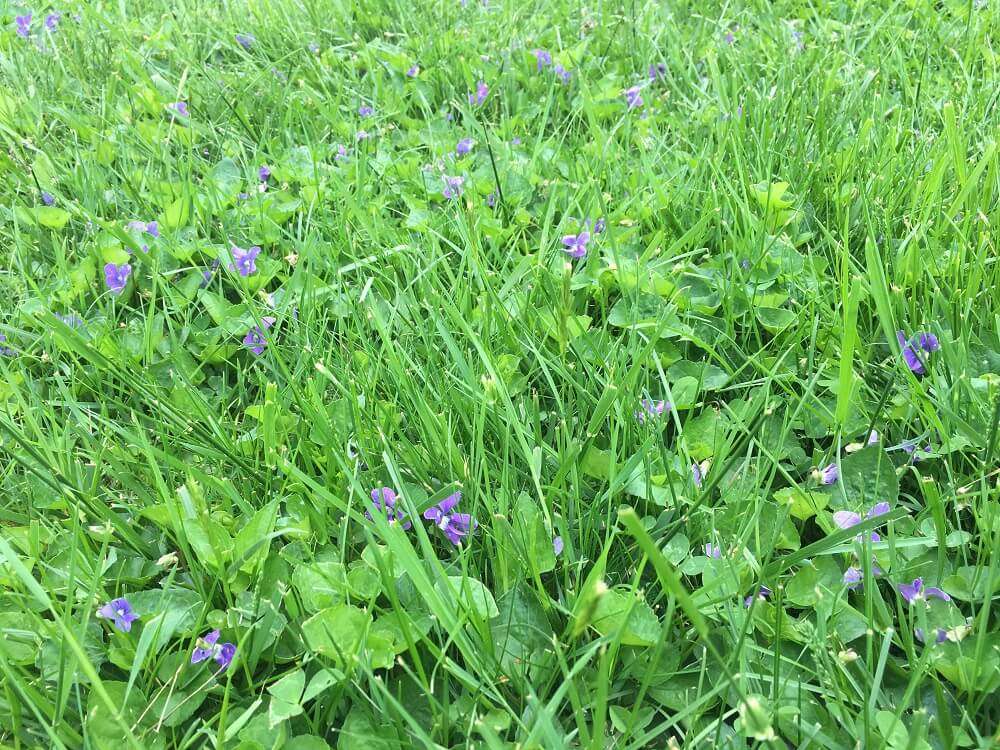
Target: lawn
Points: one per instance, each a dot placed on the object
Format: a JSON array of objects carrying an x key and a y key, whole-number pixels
[{"x": 499, "y": 374}]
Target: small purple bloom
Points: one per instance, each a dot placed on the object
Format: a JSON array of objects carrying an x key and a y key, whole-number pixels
[
  {"x": 23, "y": 25},
  {"x": 729, "y": 38},
  {"x": 657, "y": 70},
  {"x": 255, "y": 339},
  {"x": 853, "y": 577},
  {"x": 633, "y": 96},
  {"x": 365, "y": 111},
  {"x": 209, "y": 647},
  {"x": 361, "y": 135},
  {"x": 6, "y": 351},
  {"x": 264, "y": 173},
  {"x": 482, "y": 91},
  {"x": 829, "y": 474},
  {"x": 246, "y": 41},
  {"x": 179, "y": 108},
  {"x": 576, "y": 244},
  {"x": 873, "y": 438},
  {"x": 542, "y": 58},
  {"x": 940, "y": 635},
  {"x": 649, "y": 409},
  {"x": 116, "y": 277},
  {"x": 453, "y": 525},
  {"x": 557, "y": 545},
  {"x": 879, "y": 509},
  {"x": 696, "y": 475},
  {"x": 761, "y": 596},
  {"x": 119, "y": 611},
  {"x": 413, "y": 71},
  {"x": 453, "y": 187},
  {"x": 47, "y": 198},
  {"x": 911, "y": 592},
  {"x": 384, "y": 500},
  {"x": 341, "y": 154},
  {"x": 463, "y": 147},
  {"x": 515, "y": 141},
  {"x": 925, "y": 342},
  {"x": 208, "y": 273},
  {"x": 713, "y": 551},
  {"x": 600, "y": 225},
  {"x": 491, "y": 200},
  {"x": 563, "y": 74},
  {"x": 244, "y": 260},
  {"x": 52, "y": 21}
]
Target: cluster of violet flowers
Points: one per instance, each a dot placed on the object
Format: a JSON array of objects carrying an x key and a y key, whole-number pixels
[
  {"x": 455, "y": 526},
  {"x": 543, "y": 59},
  {"x": 122, "y": 615},
  {"x": 575, "y": 245},
  {"x": 22, "y": 24}
]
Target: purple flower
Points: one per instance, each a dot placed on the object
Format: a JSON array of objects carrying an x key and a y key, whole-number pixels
[
  {"x": 413, "y": 71},
  {"x": 713, "y": 551},
  {"x": 209, "y": 647},
  {"x": 576, "y": 244},
  {"x": 940, "y": 635},
  {"x": 600, "y": 225},
  {"x": 696, "y": 475},
  {"x": 243, "y": 260},
  {"x": 22, "y": 25},
  {"x": 452, "y": 187},
  {"x": 453, "y": 525},
  {"x": 341, "y": 154},
  {"x": 649, "y": 409},
  {"x": 255, "y": 340},
  {"x": 47, "y": 198},
  {"x": 361, "y": 135},
  {"x": 761, "y": 596},
  {"x": 246, "y": 41},
  {"x": 729, "y": 37},
  {"x": 482, "y": 91},
  {"x": 873, "y": 438},
  {"x": 925, "y": 342},
  {"x": 515, "y": 141},
  {"x": 116, "y": 277},
  {"x": 829, "y": 474},
  {"x": 657, "y": 70},
  {"x": 313, "y": 47},
  {"x": 264, "y": 173},
  {"x": 557, "y": 545},
  {"x": 365, "y": 111},
  {"x": 491, "y": 199},
  {"x": 463, "y": 147},
  {"x": 634, "y": 97},
  {"x": 179, "y": 108},
  {"x": 208, "y": 273},
  {"x": 119, "y": 611},
  {"x": 564, "y": 75},
  {"x": 5, "y": 351},
  {"x": 384, "y": 500},
  {"x": 542, "y": 58},
  {"x": 52, "y": 21},
  {"x": 853, "y": 577},
  {"x": 845, "y": 519},
  {"x": 911, "y": 592}
]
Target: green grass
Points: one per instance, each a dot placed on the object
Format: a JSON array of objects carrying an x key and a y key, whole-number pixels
[{"x": 780, "y": 205}]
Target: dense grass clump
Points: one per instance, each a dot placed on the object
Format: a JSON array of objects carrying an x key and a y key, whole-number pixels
[{"x": 499, "y": 375}]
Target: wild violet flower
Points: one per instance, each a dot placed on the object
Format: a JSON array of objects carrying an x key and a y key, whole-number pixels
[
  {"x": 542, "y": 58},
  {"x": 649, "y": 409},
  {"x": 713, "y": 550},
  {"x": 845, "y": 519},
  {"x": 761, "y": 596},
  {"x": 116, "y": 277},
  {"x": 455, "y": 526},
  {"x": 179, "y": 108},
  {"x": 729, "y": 38},
  {"x": 927, "y": 343},
  {"x": 365, "y": 111},
  {"x": 633, "y": 96},
  {"x": 22, "y": 25},
  {"x": 491, "y": 199},
  {"x": 413, "y": 71},
  {"x": 208, "y": 646},
  {"x": 341, "y": 154},
  {"x": 562, "y": 74},
  {"x": 557, "y": 545},
  {"x": 47, "y": 198},
  {"x": 208, "y": 273},
  {"x": 600, "y": 225},
  {"x": 255, "y": 340},
  {"x": 384, "y": 501},
  {"x": 52, "y": 21},
  {"x": 482, "y": 91},
  {"x": 912, "y": 592},
  {"x": 576, "y": 244},
  {"x": 854, "y": 576},
  {"x": 940, "y": 635},
  {"x": 119, "y": 611},
  {"x": 6, "y": 351},
  {"x": 464, "y": 146},
  {"x": 264, "y": 173},
  {"x": 453, "y": 187},
  {"x": 244, "y": 260},
  {"x": 829, "y": 474},
  {"x": 246, "y": 41},
  {"x": 697, "y": 475},
  {"x": 657, "y": 70},
  {"x": 361, "y": 135}
]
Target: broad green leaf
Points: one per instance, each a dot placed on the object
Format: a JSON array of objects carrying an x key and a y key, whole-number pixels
[
  {"x": 337, "y": 633},
  {"x": 621, "y": 614}
]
